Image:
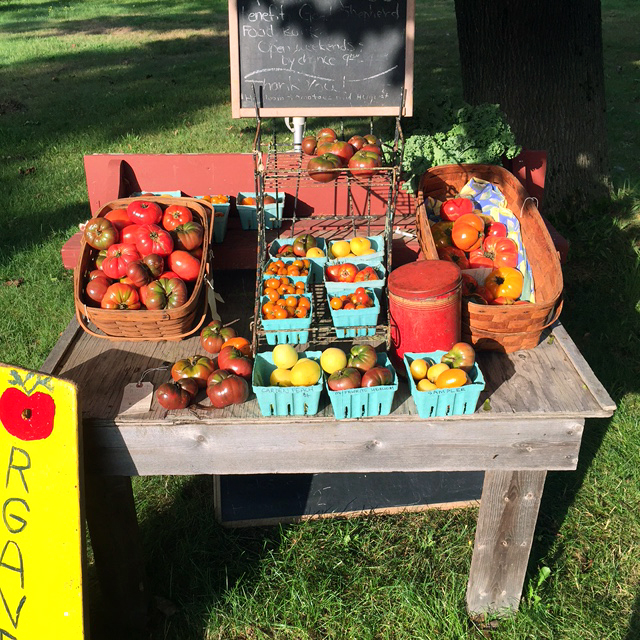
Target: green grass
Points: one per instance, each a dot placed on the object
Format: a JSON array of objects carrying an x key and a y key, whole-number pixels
[{"x": 133, "y": 76}]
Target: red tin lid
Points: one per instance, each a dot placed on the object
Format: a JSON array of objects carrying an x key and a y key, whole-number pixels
[{"x": 424, "y": 279}]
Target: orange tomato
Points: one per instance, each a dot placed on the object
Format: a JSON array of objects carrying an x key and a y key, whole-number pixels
[
  {"x": 278, "y": 263},
  {"x": 300, "y": 312},
  {"x": 282, "y": 289},
  {"x": 293, "y": 271},
  {"x": 282, "y": 271},
  {"x": 305, "y": 303},
  {"x": 218, "y": 199},
  {"x": 272, "y": 283},
  {"x": 281, "y": 302},
  {"x": 452, "y": 378},
  {"x": 291, "y": 302},
  {"x": 349, "y": 305},
  {"x": 281, "y": 313},
  {"x": 267, "y": 308},
  {"x": 306, "y": 263},
  {"x": 473, "y": 220},
  {"x": 284, "y": 280},
  {"x": 272, "y": 293},
  {"x": 336, "y": 303},
  {"x": 248, "y": 200}
]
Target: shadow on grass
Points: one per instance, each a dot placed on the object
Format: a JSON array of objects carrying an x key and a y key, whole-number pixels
[{"x": 602, "y": 287}]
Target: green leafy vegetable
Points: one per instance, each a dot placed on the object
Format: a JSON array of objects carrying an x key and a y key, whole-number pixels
[{"x": 479, "y": 134}]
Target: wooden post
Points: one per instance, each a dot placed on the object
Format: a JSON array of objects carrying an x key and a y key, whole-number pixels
[
  {"x": 115, "y": 539},
  {"x": 506, "y": 522}
]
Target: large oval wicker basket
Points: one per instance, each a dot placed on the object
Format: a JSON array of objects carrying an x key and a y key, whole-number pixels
[
  {"x": 504, "y": 328},
  {"x": 146, "y": 324}
]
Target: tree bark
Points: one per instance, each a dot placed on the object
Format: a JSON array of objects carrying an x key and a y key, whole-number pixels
[{"x": 542, "y": 62}]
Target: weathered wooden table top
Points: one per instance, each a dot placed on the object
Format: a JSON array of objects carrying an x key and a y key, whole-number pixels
[{"x": 549, "y": 384}]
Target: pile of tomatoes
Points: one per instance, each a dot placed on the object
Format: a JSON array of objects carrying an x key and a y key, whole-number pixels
[
  {"x": 360, "y": 154},
  {"x": 296, "y": 268},
  {"x": 359, "y": 299},
  {"x": 217, "y": 199},
  {"x": 277, "y": 307},
  {"x": 474, "y": 240},
  {"x": 146, "y": 256}
]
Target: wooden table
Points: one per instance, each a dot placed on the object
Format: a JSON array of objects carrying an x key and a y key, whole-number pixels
[{"x": 533, "y": 422}]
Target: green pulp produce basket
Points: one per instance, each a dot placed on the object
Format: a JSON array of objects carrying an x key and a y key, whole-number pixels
[
  {"x": 367, "y": 401},
  {"x": 249, "y": 213},
  {"x": 353, "y": 323},
  {"x": 438, "y": 403},
  {"x": 284, "y": 401},
  {"x": 290, "y": 330},
  {"x": 220, "y": 221}
]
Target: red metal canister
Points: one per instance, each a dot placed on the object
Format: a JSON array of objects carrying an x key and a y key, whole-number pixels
[{"x": 424, "y": 305}]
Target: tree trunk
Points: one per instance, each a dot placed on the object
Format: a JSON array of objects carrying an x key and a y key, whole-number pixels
[{"x": 542, "y": 62}]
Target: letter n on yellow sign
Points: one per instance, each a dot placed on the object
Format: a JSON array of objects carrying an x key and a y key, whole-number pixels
[{"x": 41, "y": 543}]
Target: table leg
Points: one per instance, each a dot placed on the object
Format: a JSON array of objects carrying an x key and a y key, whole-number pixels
[
  {"x": 115, "y": 540},
  {"x": 506, "y": 522}
]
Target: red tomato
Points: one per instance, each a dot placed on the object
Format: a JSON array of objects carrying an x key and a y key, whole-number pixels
[
  {"x": 214, "y": 335},
  {"x": 97, "y": 287},
  {"x": 357, "y": 142},
  {"x": 130, "y": 234},
  {"x": 496, "y": 229},
  {"x": 347, "y": 272},
  {"x": 327, "y": 133},
  {"x": 175, "y": 215},
  {"x": 232, "y": 359},
  {"x": 469, "y": 284},
  {"x": 343, "y": 150},
  {"x": 455, "y": 207},
  {"x": 117, "y": 259},
  {"x": 368, "y": 273},
  {"x": 465, "y": 236},
  {"x": 154, "y": 239},
  {"x": 184, "y": 264},
  {"x": 172, "y": 396},
  {"x": 120, "y": 296},
  {"x": 309, "y": 145},
  {"x": 144, "y": 212},
  {"x": 503, "y": 251}
]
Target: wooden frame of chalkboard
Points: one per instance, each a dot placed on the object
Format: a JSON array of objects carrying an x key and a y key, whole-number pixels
[{"x": 328, "y": 58}]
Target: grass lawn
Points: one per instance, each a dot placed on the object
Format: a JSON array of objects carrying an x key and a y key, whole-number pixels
[{"x": 133, "y": 76}]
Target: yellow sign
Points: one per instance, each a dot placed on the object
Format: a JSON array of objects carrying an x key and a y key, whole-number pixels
[{"x": 41, "y": 537}]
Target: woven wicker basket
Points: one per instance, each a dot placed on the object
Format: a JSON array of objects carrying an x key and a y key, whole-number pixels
[
  {"x": 145, "y": 324},
  {"x": 500, "y": 327}
]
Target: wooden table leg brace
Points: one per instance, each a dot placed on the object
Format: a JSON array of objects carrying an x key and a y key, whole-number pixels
[{"x": 506, "y": 523}]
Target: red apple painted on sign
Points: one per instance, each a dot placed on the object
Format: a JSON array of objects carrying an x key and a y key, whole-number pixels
[{"x": 27, "y": 416}]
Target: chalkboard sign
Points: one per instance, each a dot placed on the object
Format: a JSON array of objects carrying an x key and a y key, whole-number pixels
[{"x": 321, "y": 57}]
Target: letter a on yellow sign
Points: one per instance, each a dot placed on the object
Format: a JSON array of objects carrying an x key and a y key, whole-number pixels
[{"x": 41, "y": 537}]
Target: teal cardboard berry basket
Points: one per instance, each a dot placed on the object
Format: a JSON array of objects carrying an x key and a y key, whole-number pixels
[
  {"x": 365, "y": 402},
  {"x": 284, "y": 401},
  {"x": 439, "y": 403},
  {"x": 377, "y": 244},
  {"x": 288, "y": 331},
  {"x": 220, "y": 220},
  {"x": 340, "y": 288},
  {"x": 249, "y": 213},
  {"x": 317, "y": 264},
  {"x": 354, "y": 323}
]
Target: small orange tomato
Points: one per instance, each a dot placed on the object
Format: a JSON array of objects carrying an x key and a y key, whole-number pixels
[
  {"x": 305, "y": 303},
  {"x": 349, "y": 305},
  {"x": 293, "y": 271},
  {"x": 300, "y": 312},
  {"x": 306, "y": 263},
  {"x": 282, "y": 271},
  {"x": 219, "y": 199},
  {"x": 289, "y": 288},
  {"x": 280, "y": 302},
  {"x": 452, "y": 378},
  {"x": 298, "y": 263},
  {"x": 284, "y": 280},
  {"x": 282, "y": 290},
  {"x": 291, "y": 302},
  {"x": 267, "y": 308},
  {"x": 281, "y": 313},
  {"x": 273, "y": 283},
  {"x": 336, "y": 303},
  {"x": 273, "y": 294},
  {"x": 278, "y": 263}
]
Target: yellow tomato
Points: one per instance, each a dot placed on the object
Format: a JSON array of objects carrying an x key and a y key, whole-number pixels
[
  {"x": 333, "y": 359},
  {"x": 435, "y": 370},
  {"x": 451, "y": 379},
  {"x": 315, "y": 252},
  {"x": 340, "y": 249},
  {"x": 425, "y": 385},
  {"x": 419, "y": 369},
  {"x": 284, "y": 355},
  {"x": 280, "y": 378},
  {"x": 305, "y": 373},
  {"x": 359, "y": 245}
]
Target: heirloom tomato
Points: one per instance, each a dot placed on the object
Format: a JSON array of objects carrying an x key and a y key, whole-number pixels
[
  {"x": 120, "y": 296},
  {"x": 366, "y": 274},
  {"x": 362, "y": 357},
  {"x": 188, "y": 236},
  {"x": 455, "y": 255},
  {"x": 373, "y": 148},
  {"x": 144, "y": 212},
  {"x": 155, "y": 263},
  {"x": 173, "y": 396},
  {"x": 117, "y": 258},
  {"x": 498, "y": 229},
  {"x": 97, "y": 287},
  {"x": 175, "y": 215},
  {"x": 441, "y": 232},
  {"x": 467, "y": 232},
  {"x": 232, "y": 359},
  {"x": 164, "y": 294},
  {"x": 309, "y": 145},
  {"x": 346, "y": 378},
  {"x": 214, "y": 335},
  {"x": 324, "y": 168},
  {"x": 197, "y": 367},
  {"x": 469, "y": 284},
  {"x": 139, "y": 273},
  {"x": 461, "y": 356},
  {"x": 362, "y": 163},
  {"x": 303, "y": 243},
  {"x": 347, "y": 272},
  {"x": 100, "y": 233},
  {"x": 357, "y": 142},
  {"x": 455, "y": 207},
  {"x": 376, "y": 377},
  {"x": 129, "y": 234},
  {"x": 225, "y": 388},
  {"x": 372, "y": 139},
  {"x": 327, "y": 133},
  {"x": 154, "y": 239},
  {"x": 184, "y": 264},
  {"x": 504, "y": 282},
  {"x": 342, "y": 149},
  {"x": 503, "y": 251}
]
